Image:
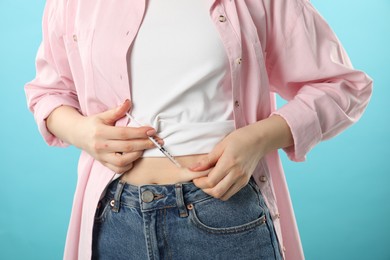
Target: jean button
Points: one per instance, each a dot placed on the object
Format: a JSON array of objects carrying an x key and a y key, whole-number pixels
[{"x": 147, "y": 196}]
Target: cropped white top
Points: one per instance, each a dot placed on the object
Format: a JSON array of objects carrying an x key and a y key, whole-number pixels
[{"x": 178, "y": 72}]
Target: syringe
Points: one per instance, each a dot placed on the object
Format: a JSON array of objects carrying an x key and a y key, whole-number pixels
[{"x": 160, "y": 147}]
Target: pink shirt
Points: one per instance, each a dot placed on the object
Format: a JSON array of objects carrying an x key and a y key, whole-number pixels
[{"x": 273, "y": 46}]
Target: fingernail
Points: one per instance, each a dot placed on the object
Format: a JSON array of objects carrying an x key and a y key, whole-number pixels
[
  {"x": 160, "y": 141},
  {"x": 151, "y": 132}
]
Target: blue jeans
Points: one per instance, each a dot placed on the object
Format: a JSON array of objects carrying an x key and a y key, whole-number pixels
[{"x": 182, "y": 222}]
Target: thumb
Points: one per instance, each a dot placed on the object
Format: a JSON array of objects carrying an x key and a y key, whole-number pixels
[
  {"x": 208, "y": 161},
  {"x": 111, "y": 116}
]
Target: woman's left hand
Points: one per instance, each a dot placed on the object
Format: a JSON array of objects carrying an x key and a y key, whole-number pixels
[{"x": 235, "y": 158}]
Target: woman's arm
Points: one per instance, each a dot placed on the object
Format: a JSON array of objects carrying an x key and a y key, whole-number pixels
[
  {"x": 53, "y": 84},
  {"x": 307, "y": 66},
  {"x": 53, "y": 98}
]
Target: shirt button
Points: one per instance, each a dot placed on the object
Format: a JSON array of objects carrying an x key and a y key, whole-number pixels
[
  {"x": 236, "y": 103},
  {"x": 222, "y": 18},
  {"x": 263, "y": 178},
  {"x": 147, "y": 196},
  {"x": 239, "y": 61},
  {"x": 277, "y": 215},
  {"x": 74, "y": 37}
]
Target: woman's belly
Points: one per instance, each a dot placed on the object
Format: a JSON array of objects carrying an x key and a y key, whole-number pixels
[{"x": 160, "y": 170}]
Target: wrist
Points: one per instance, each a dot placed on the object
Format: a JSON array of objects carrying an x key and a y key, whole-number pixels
[
  {"x": 272, "y": 133},
  {"x": 65, "y": 123},
  {"x": 77, "y": 134}
]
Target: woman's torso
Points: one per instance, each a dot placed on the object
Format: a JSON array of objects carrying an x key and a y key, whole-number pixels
[{"x": 180, "y": 87}]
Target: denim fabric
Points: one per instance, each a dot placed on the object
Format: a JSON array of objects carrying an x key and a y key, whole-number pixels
[{"x": 182, "y": 222}]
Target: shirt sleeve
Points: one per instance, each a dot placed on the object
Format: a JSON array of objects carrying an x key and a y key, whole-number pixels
[
  {"x": 53, "y": 84},
  {"x": 308, "y": 67}
]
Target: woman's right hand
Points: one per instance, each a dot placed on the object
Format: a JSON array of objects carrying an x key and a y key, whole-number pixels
[{"x": 115, "y": 147}]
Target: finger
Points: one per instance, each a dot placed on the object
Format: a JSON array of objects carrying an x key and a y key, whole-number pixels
[
  {"x": 125, "y": 133},
  {"x": 125, "y": 159},
  {"x": 127, "y": 146},
  {"x": 236, "y": 187},
  {"x": 214, "y": 177},
  {"x": 113, "y": 115},
  {"x": 121, "y": 160},
  {"x": 120, "y": 163},
  {"x": 208, "y": 161},
  {"x": 229, "y": 186},
  {"x": 222, "y": 168},
  {"x": 219, "y": 190}
]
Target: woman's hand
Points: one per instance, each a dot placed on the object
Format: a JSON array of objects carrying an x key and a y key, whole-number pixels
[
  {"x": 115, "y": 147},
  {"x": 235, "y": 158}
]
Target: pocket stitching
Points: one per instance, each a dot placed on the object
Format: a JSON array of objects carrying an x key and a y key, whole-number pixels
[{"x": 236, "y": 229}]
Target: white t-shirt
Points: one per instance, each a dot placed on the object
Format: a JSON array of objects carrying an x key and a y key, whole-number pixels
[{"x": 179, "y": 77}]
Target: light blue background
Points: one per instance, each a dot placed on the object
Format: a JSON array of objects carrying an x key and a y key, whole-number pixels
[{"x": 341, "y": 194}]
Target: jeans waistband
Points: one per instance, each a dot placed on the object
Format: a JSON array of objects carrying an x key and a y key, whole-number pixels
[{"x": 153, "y": 197}]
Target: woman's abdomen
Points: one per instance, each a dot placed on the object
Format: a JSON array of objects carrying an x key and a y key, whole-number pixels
[{"x": 160, "y": 170}]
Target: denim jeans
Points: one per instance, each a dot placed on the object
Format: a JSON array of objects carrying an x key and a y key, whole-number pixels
[{"x": 180, "y": 221}]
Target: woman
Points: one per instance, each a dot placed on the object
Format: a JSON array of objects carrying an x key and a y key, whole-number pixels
[{"x": 201, "y": 77}]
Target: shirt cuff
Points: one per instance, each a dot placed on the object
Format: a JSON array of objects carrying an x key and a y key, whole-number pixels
[{"x": 304, "y": 126}]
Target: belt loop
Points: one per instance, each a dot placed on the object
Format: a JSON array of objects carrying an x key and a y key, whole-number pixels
[
  {"x": 180, "y": 200},
  {"x": 117, "y": 196}
]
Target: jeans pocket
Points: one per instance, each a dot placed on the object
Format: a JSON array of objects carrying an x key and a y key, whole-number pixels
[{"x": 241, "y": 213}]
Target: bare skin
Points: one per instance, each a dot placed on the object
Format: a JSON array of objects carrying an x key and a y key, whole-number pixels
[{"x": 221, "y": 173}]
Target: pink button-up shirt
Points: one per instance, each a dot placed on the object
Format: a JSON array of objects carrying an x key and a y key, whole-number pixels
[{"x": 273, "y": 46}]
